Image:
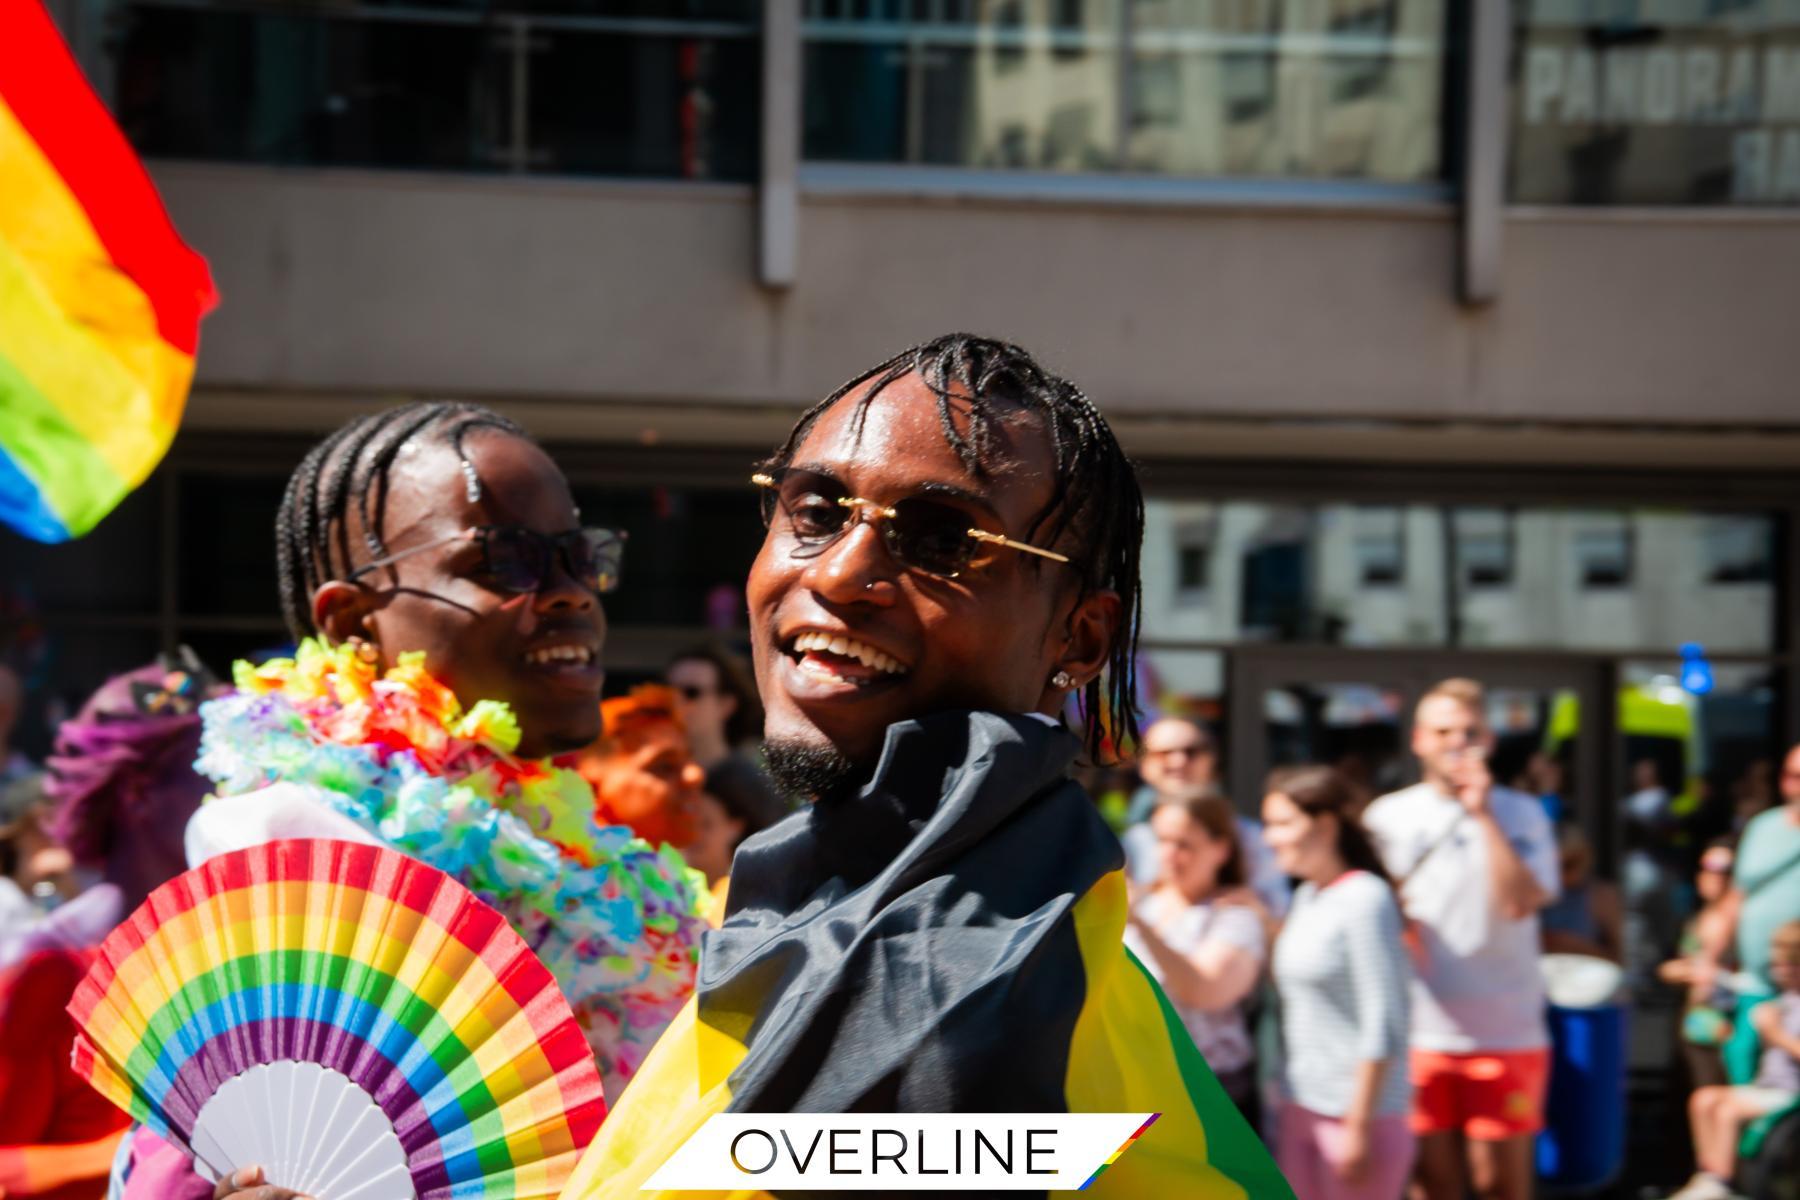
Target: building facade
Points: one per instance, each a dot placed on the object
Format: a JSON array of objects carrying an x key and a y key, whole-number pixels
[{"x": 1454, "y": 336}]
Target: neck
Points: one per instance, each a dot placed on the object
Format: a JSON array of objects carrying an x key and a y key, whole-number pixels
[
  {"x": 1330, "y": 869},
  {"x": 1197, "y": 896}
]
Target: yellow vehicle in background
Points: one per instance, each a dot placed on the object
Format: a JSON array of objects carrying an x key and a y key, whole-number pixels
[{"x": 1661, "y": 722}]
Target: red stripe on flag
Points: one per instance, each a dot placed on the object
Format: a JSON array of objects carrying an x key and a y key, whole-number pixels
[{"x": 45, "y": 89}]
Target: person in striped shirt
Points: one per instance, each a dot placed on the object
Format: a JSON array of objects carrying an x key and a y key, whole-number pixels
[{"x": 1341, "y": 968}]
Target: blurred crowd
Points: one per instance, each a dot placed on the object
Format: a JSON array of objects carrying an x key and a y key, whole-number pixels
[
  {"x": 1364, "y": 973},
  {"x": 1367, "y": 973}
]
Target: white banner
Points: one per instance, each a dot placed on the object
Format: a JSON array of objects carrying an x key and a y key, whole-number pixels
[{"x": 909, "y": 1152}]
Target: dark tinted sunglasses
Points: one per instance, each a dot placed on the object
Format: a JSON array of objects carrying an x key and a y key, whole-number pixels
[
  {"x": 919, "y": 532},
  {"x": 520, "y": 560}
]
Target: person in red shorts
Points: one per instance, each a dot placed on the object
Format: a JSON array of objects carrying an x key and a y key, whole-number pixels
[{"x": 1474, "y": 863}]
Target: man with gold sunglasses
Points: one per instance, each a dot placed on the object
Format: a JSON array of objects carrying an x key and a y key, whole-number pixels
[{"x": 952, "y": 553}]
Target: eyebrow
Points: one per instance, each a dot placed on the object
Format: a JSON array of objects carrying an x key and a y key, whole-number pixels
[{"x": 949, "y": 491}]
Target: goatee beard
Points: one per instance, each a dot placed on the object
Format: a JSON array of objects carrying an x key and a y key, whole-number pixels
[{"x": 811, "y": 772}]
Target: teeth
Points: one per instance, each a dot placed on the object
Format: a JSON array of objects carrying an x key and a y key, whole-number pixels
[
  {"x": 846, "y": 647},
  {"x": 552, "y": 654}
]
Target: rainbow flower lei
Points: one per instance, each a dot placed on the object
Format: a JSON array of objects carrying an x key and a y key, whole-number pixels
[{"x": 617, "y": 922}]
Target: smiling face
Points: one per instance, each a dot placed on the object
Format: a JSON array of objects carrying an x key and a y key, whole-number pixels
[
  {"x": 1188, "y": 857},
  {"x": 1304, "y": 846},
  {"x": 537, "y": 652},
  {"x": 847, "y": 641}
]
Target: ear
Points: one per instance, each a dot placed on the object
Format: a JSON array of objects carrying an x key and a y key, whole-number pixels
[
  {"x": 1093, "y": 627},
  {"x": 342, "y": 611}
]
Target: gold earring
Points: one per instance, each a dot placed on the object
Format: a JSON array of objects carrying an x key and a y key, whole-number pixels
[{"x": 366, "y": 651}]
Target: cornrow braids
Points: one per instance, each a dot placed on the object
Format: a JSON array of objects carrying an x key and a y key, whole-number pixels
[
  {"x": 1095, "y": 495},
  {"x": 312, "y": 527}
]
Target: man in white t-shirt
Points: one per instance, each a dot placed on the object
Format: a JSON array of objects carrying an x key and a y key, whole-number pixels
[{"x": 1474, "y": 863}]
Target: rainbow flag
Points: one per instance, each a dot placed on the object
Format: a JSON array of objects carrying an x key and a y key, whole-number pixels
[
  {"x": 100, "y": 301},
  {"x": 951, "y": 939}
]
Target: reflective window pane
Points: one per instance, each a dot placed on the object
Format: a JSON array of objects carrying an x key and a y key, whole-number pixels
[
  {"x": 1484, "y": 546},
  {"x": 1312, "y": 90},
  {"x": 549, "y": 87},
  {"x": 1603, "y": 579},
  {"x": 1657, "y": 102},
  {"x": 296, "y": 87},
  {"x": 1244, "y": 570},
  {"x": 1281, "y": 90}
]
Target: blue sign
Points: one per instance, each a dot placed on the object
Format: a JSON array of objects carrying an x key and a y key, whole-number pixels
[{"x": 1696, "y": 672}]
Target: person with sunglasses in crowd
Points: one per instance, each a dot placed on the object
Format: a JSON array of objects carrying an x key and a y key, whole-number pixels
[
  {"x": 951, "y": 557},
  {"x": 718, "y": 703},
  {"x": 437, "y": 548},
  {"x": 1706, "y": 1021}
]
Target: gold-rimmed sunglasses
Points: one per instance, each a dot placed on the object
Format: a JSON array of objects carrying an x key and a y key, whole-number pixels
[{"x": 919, "y": 532}]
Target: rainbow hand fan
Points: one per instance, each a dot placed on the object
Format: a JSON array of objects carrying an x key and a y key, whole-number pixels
[{"x": 350, "y": 1019}]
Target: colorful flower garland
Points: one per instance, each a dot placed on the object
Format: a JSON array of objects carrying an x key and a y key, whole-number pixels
[{"x": 617, "y": 922}]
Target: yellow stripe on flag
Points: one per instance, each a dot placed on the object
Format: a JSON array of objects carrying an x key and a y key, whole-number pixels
[
  {"x": 78, "y": 373},
  {"x": 79, "y": 329},
  {"x": 684, "y": 1081}
]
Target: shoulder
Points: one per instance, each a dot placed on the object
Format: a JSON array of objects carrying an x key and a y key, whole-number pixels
[
  {"x": 1359, "y": 899},
  {"x": 1394, "y": 806},
  {"x": 1519, "y": 810},
  {"x": 1767, "y": 829},
  {"x": 1362, "y": 890},
  {"x": 1237, "y": 918},
  {"x": 281, "y": 810}
]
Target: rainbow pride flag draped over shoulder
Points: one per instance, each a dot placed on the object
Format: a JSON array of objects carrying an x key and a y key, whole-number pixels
[
  {"x": 947, "y": 940},
  {"x": 100, "y": 302}
]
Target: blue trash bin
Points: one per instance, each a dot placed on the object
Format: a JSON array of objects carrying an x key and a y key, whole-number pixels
[{"x": 1582, "y": 1147}]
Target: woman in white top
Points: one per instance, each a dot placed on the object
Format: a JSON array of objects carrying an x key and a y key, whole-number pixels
[
  {"x": 1342, "y": 971},
  {"x": 1199, "y": 929}
]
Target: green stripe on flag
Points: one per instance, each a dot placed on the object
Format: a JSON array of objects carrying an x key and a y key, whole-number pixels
[
  {"x": 1231, "y": 1145},
  {"x": 76, "y": 482}
]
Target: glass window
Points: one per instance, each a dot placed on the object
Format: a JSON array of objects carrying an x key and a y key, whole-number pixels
[
  {"x": 1341, "y": 90},
  {"x": 1381, "y": 546},
  {"x": 1602, "y": 580},
  {"x": 1657, "y": 102},
  {"x": 1484, "y": 546},
  {"x": 1739, "y": 550},
  {"x": 1247, "y": 570},
  {"x": 1603, "y": 552},
  {"x": 1194, "y": 540},
  {"x": 557, "y": 88}
]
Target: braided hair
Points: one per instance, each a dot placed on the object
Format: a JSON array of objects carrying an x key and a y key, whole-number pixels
[
  {"x": 1096, "y": 496},
  {"x": 312, "y": 526}
]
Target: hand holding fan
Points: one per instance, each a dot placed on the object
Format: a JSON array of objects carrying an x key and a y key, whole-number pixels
[{"x": 350, "y": 1019}]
